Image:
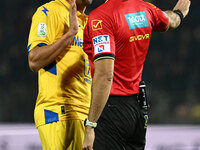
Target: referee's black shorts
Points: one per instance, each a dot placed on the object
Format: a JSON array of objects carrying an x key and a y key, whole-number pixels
[{"x": 122, "y": 125}]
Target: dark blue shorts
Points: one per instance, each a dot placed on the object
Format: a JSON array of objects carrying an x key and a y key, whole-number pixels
[{"x": 122, "y": 125}]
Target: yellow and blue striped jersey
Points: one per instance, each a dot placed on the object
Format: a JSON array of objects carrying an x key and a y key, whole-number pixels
[{"x": 64, "y": 85}]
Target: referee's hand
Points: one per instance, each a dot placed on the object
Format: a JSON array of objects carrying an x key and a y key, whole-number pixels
[
  {"x": 88, "y": 139},
  {"x": 183, "y": 6}
]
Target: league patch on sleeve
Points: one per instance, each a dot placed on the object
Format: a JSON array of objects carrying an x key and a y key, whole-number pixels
[
  {"x": 101, "y": 44},
  {"x": 42, "y": 30}
]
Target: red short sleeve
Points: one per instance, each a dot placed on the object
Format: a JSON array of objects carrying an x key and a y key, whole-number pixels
[
  {"x": 99, "y": 33},
  {"x": 160, "y": 19}
]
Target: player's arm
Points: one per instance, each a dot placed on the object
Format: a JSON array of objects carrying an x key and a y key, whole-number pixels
[
  {"x": 40, "y": 57},
  {"x": 174, "y": 18}
]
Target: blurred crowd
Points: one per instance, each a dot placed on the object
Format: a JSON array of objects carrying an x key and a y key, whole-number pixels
[{"x": 171, "y": 70}]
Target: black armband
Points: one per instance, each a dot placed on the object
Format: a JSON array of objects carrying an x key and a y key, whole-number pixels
[{"x": 178, "y": 12}]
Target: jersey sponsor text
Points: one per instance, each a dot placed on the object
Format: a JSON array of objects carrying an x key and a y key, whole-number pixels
[
  {"x": 139, "y": 37},
  {"x": 77, "y": 41},
  {"x": 137, "y": 20}
]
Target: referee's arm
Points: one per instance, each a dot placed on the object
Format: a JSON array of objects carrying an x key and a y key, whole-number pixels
[
  {"x": 176, "y": 18},
  {"x": 101, "y": 85}
]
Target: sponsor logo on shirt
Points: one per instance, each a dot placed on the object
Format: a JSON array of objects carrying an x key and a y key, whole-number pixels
[
  {"x": 139, "y": 37},
  {"x": 42, "y": 30},
  {"x": 101, "y": 44},
  {"x": 137, "y": 20},
  {"x": 96, "y": 25},
  {"x": 77, "y": 41},
  {"x": 45, "y": 10}
]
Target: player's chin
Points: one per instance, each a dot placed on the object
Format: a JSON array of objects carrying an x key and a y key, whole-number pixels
[{"x": 87, "y": 2}]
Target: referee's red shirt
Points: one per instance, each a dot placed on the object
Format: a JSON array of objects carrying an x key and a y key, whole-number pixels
[{"x": 121, "y": 30}]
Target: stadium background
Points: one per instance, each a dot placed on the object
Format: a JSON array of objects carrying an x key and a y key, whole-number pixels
[{"x": 171, "y": 70}]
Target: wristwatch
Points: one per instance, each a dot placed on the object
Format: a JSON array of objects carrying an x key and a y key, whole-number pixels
[{"x": 89, "y": 123}]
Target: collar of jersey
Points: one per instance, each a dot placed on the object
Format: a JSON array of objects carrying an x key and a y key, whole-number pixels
[{"x": 65, "y": 3}]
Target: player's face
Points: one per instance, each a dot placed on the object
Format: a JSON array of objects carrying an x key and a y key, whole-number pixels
[
  {"x": 84, "y": 2},
  {"x": 88, "y": 2}
]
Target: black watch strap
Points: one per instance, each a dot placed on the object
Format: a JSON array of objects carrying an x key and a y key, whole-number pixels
[{"x": 178, "y": 12}]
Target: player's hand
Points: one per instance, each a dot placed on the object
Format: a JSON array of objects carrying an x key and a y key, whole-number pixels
[
  {"x": 88, "y": 139},
  {"x": 183, "y": 6},
  {"x": 73, "y": 20}
]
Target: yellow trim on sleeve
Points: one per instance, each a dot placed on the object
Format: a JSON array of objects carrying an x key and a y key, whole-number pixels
[{"x": 104, "y": 58}]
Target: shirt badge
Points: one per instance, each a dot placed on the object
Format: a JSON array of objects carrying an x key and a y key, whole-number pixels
[
  {"x": 97, "y": 25},
  {"x": 101, "y": 44},
  {"x": 42, "y": 30}
]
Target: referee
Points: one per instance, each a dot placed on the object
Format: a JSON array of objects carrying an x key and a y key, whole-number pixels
[{"x": 116, "y": 39}]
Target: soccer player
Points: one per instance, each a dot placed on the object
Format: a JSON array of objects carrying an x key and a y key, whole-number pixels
[
  {"x": 116, "y": 39},
  {"x": 55, "y": 51}
]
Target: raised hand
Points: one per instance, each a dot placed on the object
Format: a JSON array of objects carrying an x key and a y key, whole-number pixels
[
  {"x": 183, "y": 6},
  {"x": 73, "y": 20}
]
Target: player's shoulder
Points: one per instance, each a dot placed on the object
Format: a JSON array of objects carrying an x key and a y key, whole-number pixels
[{"x": 48, "y": 8}]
